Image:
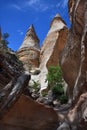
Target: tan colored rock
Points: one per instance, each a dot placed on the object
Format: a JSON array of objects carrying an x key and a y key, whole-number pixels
[
  {"x": 30, "y": 50},
  {"x": 26, "y": 114},
  {"x": 52, "y": 47},
  {"x": 74, "y": 56},
  {"x": 74, "y": 66}
]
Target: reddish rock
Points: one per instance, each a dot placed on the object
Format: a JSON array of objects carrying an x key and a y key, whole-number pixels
[
  {"x": 74, "y": 56},
  {"x": 52, "y": 47},
  {"x": 27, "y": 114}
]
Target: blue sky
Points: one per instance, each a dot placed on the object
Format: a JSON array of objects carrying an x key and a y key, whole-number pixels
[{"x": 17, "y": 15}]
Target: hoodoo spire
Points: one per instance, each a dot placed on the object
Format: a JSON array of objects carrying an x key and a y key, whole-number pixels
[
  {"x": 30, "y": 50},
  {"x": 31, "y": 39}
]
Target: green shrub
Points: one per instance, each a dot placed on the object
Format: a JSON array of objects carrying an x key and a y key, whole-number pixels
[
  {"x": 36, "y": 86},
  {"x": 4, "y": 40},
  {"x": 55, "y": 83},
  {"x": 58, "y": 89},
  {"x": 44, "y": 94},
  {"x": 54, "y": 76},
  {"x": 63, "y": 99}
]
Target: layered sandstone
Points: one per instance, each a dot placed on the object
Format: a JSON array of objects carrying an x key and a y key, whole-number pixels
[
  {"x": 30, "y": 50},
  {"x": 52, "y": 47},
  {"x": 74, "y": 56},
  {"x": 74, "y": 66}
]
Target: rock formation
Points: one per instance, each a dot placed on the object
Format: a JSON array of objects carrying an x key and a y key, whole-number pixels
[
  {"x": 74, "y": 67},
  {"x": 73, "y": 60},
  {"x": 26, "y": 114},
  {"x": 50, "y": 51},
  {"x": 52, "y": 47},
  {"x": 10, "y": 66},
  {"x": 16, "y": 110},
  {"x": 30, "y": 50}
]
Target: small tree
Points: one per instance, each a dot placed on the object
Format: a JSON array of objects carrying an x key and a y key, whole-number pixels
[
  {"x": 54, "y": 76},
  {"x": 4, "y": 40},
  {"x": 55, "y": 83}
]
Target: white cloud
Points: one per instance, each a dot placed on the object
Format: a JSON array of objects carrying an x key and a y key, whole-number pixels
[
  {"x": 16, "y": 6},
  {"x": 20, "y": 32},
  {"x": 62, "y": 4},
  {"x": 32, "y": 2},
  {"x": 65, "y": 2},
  {"x": 37, "y": 5}
]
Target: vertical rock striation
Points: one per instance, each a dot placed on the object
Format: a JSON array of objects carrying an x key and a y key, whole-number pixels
[
  {"x": 29, "y": 51},
  {"x": 74, "y": 56},
  {"x": 74, "y": 65},
  {"x": 52, "y": 47}
]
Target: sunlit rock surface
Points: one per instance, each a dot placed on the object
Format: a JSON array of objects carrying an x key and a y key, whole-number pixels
[
  {"x": 74, "y": 66},
  {"x": 30, "y": 50},
  {"x": 74, "y": 56},
  {"x": 26, "y": 114},
  {"x": 52, "y": 47},
  {"x": 18, "y": 112}
]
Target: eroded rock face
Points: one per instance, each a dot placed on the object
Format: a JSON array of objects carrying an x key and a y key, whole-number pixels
[
  {"x": 74, "y": 56},
  {"x": 29, "y": 115},
  {"x": 52, "y": 47},
  {"x": 10, "y": 66},
  {"x": 16, "y": 110},
  {"x": 74, "y": 66},
  {"x": 30, "y": 50}
]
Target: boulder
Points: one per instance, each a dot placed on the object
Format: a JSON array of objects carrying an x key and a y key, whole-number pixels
[
  {"x": 27, "y": 114},
  {"x": 17, "y": 111}
]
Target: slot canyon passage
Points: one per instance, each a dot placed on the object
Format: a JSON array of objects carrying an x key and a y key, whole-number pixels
[{"x": 26, "y": 100}]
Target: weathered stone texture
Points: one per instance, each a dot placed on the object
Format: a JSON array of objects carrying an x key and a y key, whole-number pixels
[
  {"x": 30, "y": 50},
  {"x": 10, "y": 66},
  {"x": 74, "y": 56},
  {"x": 26, "y": 114},
  {"x": 52, "y": 47},
  {"x": 74, "y": 65}
]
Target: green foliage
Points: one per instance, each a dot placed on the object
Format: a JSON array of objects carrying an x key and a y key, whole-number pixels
[
  {"x": 5, "y": 35},
  {"x": 58, "y": 89},
  {"x": 36, "y": 86},
  {"x": 44, "y": 93},
  {"x": 54, "y": 76},
  {"x": 55, "y": 83},
  {"x": 63, "y": 99},
  {"x": 4, "y": 40}
]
